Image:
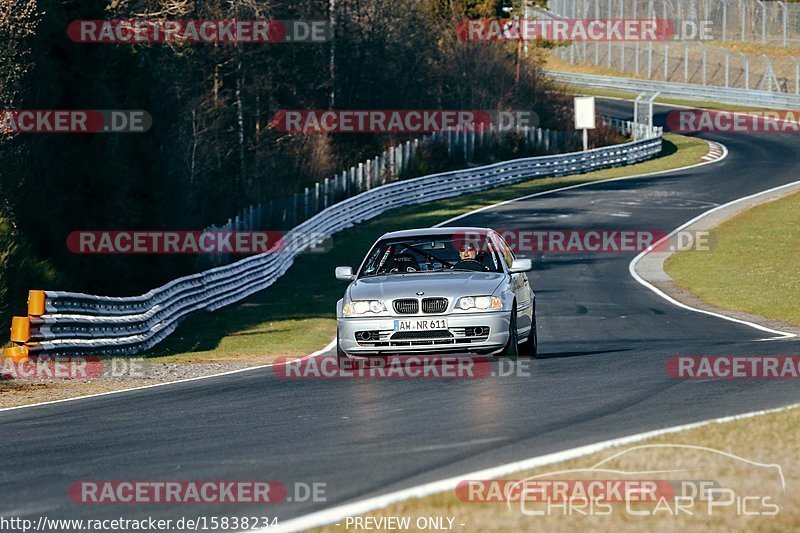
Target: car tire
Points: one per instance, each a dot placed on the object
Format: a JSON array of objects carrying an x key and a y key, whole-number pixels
[
  {"x": 530, "y": 347},
  {"x": 511, "y": 349}
]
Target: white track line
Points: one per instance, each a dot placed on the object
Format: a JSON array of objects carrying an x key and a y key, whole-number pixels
[
  {"x": 329, "y": 516},
  {"x": 248, "y": 369}
]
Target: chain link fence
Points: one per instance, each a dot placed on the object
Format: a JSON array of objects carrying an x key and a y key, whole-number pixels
[
  {"x": 755, "y": 21},
  {"x": 689, "y": 62},
  {"x": 693, "y": 61}
]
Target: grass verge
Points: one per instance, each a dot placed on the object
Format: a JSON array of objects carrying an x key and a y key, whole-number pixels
[
  {"x": 764, "y": 439},
  {"x": 752, "y": 265}
]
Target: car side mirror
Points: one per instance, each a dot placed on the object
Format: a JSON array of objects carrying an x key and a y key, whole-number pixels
[
  {"x": 520, "y": 265},
  {"x": 345, "y": 273}
]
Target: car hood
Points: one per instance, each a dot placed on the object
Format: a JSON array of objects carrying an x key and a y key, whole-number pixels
[{"x": 447, "y": 284}]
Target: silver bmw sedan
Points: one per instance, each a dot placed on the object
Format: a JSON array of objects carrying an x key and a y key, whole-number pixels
[{"x": 437, "y": 290}]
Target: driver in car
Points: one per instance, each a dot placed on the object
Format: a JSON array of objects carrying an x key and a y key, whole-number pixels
[{"x": 468, "y": 255}]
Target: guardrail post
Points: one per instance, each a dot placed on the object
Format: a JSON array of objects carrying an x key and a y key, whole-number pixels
[
  {"x": 349, "y": 181},
  {"x": 36, "y": 303},
  {"x": 316, "y": 198},
  {"x": 335, "y": 188},
  {"x": 686, "y": 62},
  {"x": 380, "y": 175},
  {"x": 746, "y": 70},
  {"x": 20, "y": 329},
  {"x": 763, "y": 20},
  {"x": 368, "y": 173},
  {"x": 783, "y": 7},
  {"x": 529, "y": 139},
  {"x": 306, "y": 204},
  {"x": 401, "y": 159},
  {"x": 16, "y": 354},
  {"x": 796, "y": 75},
  {"x": 622, "y": 44},
  {"x": 705, "y": 62},
  {"x": 727, "y": 65},
  {"x": 360, "y": 177}
]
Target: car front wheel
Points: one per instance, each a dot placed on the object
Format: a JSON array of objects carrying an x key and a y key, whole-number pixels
[
  {"x": 530, "y": 347},
  {"x": 511, "y": 349}
]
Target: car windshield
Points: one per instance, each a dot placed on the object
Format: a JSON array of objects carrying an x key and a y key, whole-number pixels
[{"x": 437, "y": 253}]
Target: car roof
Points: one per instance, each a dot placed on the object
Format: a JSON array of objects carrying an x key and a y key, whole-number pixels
[{"x": 426, "y": 232}]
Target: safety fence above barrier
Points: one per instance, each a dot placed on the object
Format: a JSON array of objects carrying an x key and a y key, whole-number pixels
[{"x": 683, "y": 91}]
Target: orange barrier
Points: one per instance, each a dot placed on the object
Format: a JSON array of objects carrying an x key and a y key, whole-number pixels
[
  {"x": 21, "y": 328},
  {"x": 35, "y": 303}
]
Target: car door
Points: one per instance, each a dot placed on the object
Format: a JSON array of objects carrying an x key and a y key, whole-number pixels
[{"x": 521, "y": 286}]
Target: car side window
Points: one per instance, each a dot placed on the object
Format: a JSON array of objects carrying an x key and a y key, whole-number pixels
[{"x": 508, "y": 255}]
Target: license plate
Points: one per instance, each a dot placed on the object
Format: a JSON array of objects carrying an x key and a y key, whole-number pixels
[{"x": 420, "y": 324}]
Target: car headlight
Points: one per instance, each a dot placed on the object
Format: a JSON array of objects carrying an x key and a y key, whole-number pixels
[
  {"x": 479, "y": 302},
  {"x": 361, "y": 307}
]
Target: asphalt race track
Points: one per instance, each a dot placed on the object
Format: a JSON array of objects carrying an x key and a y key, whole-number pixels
[{"x": 603, "y": 337}]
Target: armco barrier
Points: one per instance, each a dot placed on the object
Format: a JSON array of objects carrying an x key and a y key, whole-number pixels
[
  {"x": 67, "y": 323},
  {"x": 683, "y": 91}
]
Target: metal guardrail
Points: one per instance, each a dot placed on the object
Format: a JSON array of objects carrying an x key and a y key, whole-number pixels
[
  {"x": 67, "y": 323},
  {"x": 684, "y": 91}
]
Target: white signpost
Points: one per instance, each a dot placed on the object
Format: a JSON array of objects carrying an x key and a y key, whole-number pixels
[{"x": 584, "y": 117}]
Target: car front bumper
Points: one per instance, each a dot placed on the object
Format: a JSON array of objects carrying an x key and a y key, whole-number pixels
[{"x": 467, "y": 332}]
